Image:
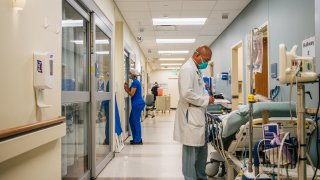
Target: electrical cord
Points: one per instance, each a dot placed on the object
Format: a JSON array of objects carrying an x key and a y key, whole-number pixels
[
  {"x": 280, "y": 154},
  {"x": 317, "y": 131}
]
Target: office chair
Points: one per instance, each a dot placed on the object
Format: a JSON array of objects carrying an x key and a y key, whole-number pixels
[{"x": 149, "y": 105}]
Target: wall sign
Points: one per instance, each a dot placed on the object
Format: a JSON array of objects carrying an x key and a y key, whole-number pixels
[{"x": 308, "y": 47}]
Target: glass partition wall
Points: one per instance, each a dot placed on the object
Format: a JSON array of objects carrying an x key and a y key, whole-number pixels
[{"x": 86, "y": 92}]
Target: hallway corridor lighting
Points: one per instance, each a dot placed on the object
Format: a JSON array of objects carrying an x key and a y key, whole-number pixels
[
  {"x": 179, "y": 21},
  {"x": 170, "y": 68},
  {"x": 160, "y": 41},
  {"x": 102, "y": 52},
  {"x": 172, "y": 59},
  {"x": 72, "y": 23},
  {"x": 18, "y": 4},
  {"x": 176, "y": 64},
  {"x": 173, "y": 52}
]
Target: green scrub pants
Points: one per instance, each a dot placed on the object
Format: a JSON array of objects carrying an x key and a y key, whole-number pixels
[{"x": 194, "y": 161}]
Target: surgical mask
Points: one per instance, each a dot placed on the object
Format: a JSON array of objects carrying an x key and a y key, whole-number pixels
[{"x": 203, "y": 65}]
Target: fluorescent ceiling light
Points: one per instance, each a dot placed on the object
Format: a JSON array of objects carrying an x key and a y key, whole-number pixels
[
  {"x": 72, "y": 23},
  {"x": 173, "y": 52},
  {"x": 102, "y": 52},
  {"x": 159, "y": 41},
  {"x": 179, "y": 21},
  {"x": 170, "y": 68},
  {"x": 177, "y": 64},
  {"x": 171, "y": 59}
]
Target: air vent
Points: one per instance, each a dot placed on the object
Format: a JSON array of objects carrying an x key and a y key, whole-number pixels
[
  {"x": 225, "y": 15},
  {"x": 165, "y": 28}
]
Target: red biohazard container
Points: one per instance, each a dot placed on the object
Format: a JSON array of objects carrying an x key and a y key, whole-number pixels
[{"x": 160, "y": 91}]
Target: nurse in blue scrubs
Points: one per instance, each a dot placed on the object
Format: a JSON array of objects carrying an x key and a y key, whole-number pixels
[{"x": 137, "y": 104}]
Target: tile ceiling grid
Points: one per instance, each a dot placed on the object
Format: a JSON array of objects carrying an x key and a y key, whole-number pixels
[{"x": 138, "y": 14}]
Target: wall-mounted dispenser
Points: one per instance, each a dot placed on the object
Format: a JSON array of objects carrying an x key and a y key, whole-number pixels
[
  {"x": 42, "y": 75},
  {"x": 224, "y": 76}
]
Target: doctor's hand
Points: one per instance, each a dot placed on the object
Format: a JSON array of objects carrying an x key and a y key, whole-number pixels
[{"x": 211, "y": 99}]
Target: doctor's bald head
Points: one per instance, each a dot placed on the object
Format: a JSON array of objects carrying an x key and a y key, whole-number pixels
[{"x": 203, "y": 53}]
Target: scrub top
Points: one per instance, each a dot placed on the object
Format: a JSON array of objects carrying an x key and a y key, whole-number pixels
[{"x": 137, "y": 97}]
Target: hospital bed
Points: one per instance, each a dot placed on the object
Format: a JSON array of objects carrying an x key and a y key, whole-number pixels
[{"x": 230, "y": 139}]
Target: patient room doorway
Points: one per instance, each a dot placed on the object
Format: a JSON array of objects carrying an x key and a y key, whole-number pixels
[
  {"x": 237, "y": 75},
  {"x": 262, "y": 87}
]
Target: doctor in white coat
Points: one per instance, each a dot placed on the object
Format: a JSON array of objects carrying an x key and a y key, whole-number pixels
[{"x": 190, "y": 121}]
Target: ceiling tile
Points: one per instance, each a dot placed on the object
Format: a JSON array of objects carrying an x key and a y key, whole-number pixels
[
  {"x": 231, "y": 5},
  {"x": 162, "y": 14},
  {"x": 132, "y": 6},
  {"x": 218, "y": 14},
  {"x": 139, "y": 13},
  {"x": 195, "y": 14},
  {"x": 165, "y": 33},
  {"x": 165, "y": 5},
  {"x": 189, "y": 28},
  {"x": 136, "y": 14},
  {"x": 198, "y": 5}
]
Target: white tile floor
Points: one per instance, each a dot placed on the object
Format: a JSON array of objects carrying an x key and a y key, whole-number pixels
[{"x": 158, "y": 158}]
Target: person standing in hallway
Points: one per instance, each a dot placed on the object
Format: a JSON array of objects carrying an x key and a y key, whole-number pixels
[
  {"x": 154, "y": 91},
  {"x": 138, "y": 105},
  {"x": 190, "y": 121}
]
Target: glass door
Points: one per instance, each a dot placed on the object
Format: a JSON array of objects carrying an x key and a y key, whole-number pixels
[
  {"x": 126, "y": 96},
  {"x": 75, "y": 96},
  {"x": 101, "y": 95}
]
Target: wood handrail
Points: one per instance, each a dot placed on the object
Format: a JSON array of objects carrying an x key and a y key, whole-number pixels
[{"x": 12, "y": 132}]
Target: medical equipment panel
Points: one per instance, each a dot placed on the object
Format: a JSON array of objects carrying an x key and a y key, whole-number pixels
[{"x": 292, "y": 64}]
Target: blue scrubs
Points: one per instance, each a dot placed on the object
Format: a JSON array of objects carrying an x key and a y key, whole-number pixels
[{"x": 138, "y": 104}]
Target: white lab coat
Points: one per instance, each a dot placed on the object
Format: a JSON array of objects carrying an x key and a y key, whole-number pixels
[{"x": 190, "y": 120}]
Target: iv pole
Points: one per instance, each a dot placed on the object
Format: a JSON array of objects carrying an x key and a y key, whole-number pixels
[
  {"x": 251, "y": 101},
  {"x": 301, "y": 131}
]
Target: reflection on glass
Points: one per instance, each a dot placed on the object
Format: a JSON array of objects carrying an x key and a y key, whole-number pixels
[
  {"x": 103, "y": 59},
  {"x": 126, "y": 99},
  {"x": 74, "y": 144},
  {"x": 103, "y": 147},
  {"x": 75, "y": 75}
]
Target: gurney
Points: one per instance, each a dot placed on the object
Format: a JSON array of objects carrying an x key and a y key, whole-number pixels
[{"x": 230, "y": 137}]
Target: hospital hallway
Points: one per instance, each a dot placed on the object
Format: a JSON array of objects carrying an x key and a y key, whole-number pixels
[{"x": 158, "y": 158}]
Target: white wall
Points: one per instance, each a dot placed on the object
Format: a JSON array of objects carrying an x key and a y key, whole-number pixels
[
  {"x": 164, "y": 76},
  {"x": 22, "y": 34}
]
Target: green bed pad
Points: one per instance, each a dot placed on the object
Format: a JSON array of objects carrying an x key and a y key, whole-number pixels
[{"x": 233, "y": 121}]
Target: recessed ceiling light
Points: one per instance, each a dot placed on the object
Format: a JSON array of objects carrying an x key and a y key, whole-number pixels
[
  {"x": 72, "y": 23},
  {"x": 171, "y": 59},
  {"x": 179, "y": 21},
  {"x": 159, "y": 41},
  {"x": 175, "y": 64},
  {"x": 173, "y": 52},
  {"x": 170, "y": 68}
]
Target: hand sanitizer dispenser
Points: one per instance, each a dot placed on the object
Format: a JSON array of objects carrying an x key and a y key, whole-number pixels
[{"x": 43, "y": 75}]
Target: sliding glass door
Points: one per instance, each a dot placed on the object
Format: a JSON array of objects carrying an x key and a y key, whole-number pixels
[
  {"x": 101, "y": 96},
  {"x": 86, "y": 84},
  {"x": 75, "y": 91}
]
